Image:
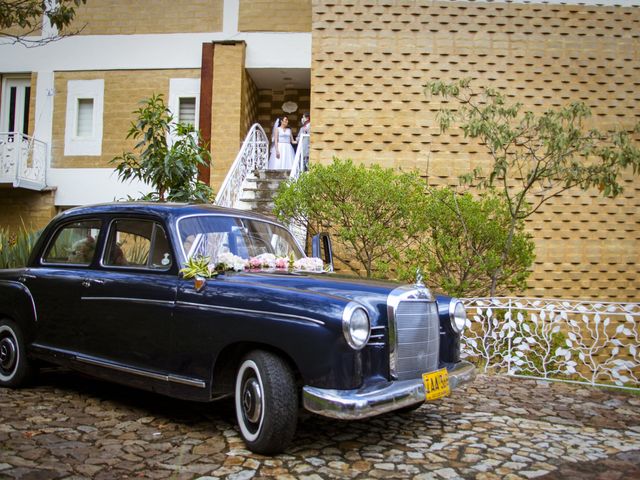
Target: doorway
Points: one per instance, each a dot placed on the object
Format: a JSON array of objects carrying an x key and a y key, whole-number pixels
[{"x": 14, "y": 105}]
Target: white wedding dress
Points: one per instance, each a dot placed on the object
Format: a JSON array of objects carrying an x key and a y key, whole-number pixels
[{"x": 285, "y": 162}]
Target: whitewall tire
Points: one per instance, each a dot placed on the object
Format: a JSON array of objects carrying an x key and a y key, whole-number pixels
[
  {"x": 15, "y": 369},
  {"x": 266, "y": 402}
]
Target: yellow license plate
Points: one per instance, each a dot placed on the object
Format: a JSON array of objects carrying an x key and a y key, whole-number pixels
[{"x": 436, "y": 384}]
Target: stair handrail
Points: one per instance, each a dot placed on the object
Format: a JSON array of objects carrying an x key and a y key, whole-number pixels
[
  {"x": 300, "y": 164},
  {"x": 253, "y": 155},
  {"x": 300, "y": 161}
]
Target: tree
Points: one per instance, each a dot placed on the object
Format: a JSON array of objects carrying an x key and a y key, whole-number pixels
[
  {"x": 535, "y": 157},
  {"x": 170, "y": 168},
  {"x": 20, "y": 19},
  {"x": 374, "y": 213},
  {"x": 463, "y": 243}
]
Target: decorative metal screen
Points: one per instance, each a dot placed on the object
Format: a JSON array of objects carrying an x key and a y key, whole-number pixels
[{"x": 596, "y": 343}]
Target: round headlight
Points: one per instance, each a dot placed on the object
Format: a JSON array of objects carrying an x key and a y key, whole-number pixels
[
  {"x": 356, "y": 326},
  {"x": 458, "y": 315}
]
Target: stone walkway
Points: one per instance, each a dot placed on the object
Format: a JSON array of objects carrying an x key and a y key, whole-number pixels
[{"x": 73, "y": 427}]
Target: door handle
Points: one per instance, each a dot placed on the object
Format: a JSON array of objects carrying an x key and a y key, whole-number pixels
[
  {"x": 86, "y": 283},
  {"x": 23, "y": 278}
]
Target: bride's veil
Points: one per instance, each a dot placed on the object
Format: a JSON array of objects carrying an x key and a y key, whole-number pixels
[{"x": 275, "y": 129}]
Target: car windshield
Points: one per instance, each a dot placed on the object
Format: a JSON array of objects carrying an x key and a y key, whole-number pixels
[{"x": 213, "y": 235}]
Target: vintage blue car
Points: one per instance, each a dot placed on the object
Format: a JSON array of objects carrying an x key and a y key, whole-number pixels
[{"x": 105, "y": 292}]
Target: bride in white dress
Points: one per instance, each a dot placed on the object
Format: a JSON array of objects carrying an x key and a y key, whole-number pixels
[{"x": 284, "y": 153}]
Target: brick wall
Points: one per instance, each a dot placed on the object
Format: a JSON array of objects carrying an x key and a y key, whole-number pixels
[
  {"x": 269, "y": 16},
  {"x": 20, "y": 207},
  {"x": 249, "y": 103},
  {"x": 371, "y": 61},
  {"x": 126, "y": 17},
  {"x": 226, "y": 113},
  {"x": 32, "y": 104},
  {"x": 123, "y": 90}
]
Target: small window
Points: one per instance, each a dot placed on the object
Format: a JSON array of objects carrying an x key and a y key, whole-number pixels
[
  {"x": 138, "y": 244},
  {"x": 187, "y": 110},
  {"x": 74, "y": 244},
  {"x": 84, "y": 125}
]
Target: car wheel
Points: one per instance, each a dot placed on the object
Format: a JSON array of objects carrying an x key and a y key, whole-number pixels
[
  {"x": 266, "y": 401},
  {"x": 15, "y": 369}
]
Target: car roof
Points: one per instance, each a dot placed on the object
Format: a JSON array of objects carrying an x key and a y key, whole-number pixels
[{"x": 166, "y": 210}]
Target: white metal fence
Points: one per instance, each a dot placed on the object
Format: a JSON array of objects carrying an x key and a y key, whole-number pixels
[{"x": 595, "y": 343}]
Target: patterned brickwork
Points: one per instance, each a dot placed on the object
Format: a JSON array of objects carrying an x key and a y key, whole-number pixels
[
  {"x": 123, "y": 90},
  {"x": 227, "y": 118},
  {"x": 370, "y": 63},
  {"x": 270, "y": 107},
  {"x": 269, "y": 16},
  {"x": 127, "y": 17},
  {"x": 20, "y": 207}
]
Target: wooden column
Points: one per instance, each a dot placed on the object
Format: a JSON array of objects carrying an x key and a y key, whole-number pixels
[{"x": 206, "y": 101}]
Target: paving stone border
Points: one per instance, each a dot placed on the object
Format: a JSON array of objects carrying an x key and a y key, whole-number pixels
[{"x": 71, "y": 427}]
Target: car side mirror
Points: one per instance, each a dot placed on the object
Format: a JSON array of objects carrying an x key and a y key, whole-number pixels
[{"x": 321, "y": 248}]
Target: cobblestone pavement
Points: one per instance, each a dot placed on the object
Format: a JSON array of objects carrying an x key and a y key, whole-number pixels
[{"x": 68, "y": 426}]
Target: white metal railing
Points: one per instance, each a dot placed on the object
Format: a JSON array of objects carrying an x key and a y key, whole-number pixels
[
  {"x": 23, "y": 161},
  {"x": 253, "y": 155},
  {"x": 595, "y": 343},
  {"x": 300, "y": 164}
]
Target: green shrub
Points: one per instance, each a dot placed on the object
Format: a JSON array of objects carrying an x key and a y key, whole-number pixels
[{"x": 15, "y": 248}]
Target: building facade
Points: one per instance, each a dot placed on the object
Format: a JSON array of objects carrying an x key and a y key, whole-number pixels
[{"x": 359, "y": 67}]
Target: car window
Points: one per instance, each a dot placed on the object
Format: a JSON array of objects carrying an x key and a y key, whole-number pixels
[
  {"x": 74, "y": 243},
  {"x": 137, "y": 244},
  {"x": 211, "y": 236}
]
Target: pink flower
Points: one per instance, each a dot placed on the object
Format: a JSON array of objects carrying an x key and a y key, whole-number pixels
[
  {"x": 255, "y": 262},
  {"x": 282, "y": 263}
]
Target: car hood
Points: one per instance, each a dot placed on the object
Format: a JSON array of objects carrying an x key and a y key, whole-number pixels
[{"x": 372, "y": 294}]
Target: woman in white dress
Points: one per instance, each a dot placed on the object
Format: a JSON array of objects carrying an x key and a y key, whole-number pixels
[{"x": 284, "y": 153}]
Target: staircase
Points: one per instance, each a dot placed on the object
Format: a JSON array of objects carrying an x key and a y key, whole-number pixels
[
  {"x": 249, "y": 185},
  {"x": 260, "y": 189}
]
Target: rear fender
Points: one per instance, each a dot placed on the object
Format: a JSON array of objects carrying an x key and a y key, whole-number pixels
[{"x": 16, "y": 302}]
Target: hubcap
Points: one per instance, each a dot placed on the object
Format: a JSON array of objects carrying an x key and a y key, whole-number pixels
[
  {"x": 8, "y": 354},
  {"x": 252, "y": 400}
]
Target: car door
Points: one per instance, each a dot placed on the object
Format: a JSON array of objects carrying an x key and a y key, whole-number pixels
[
  {"x": 56, "y": 281},
  {"x": 131, "y": 296}
]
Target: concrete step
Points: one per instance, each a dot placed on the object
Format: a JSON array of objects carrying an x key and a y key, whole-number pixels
[{"x": 272, "y": 174}]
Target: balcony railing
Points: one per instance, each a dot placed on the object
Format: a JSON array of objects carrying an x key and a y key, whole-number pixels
[
  {"x": 23, "y": 161},
  {"x": 595, "y": 343}
]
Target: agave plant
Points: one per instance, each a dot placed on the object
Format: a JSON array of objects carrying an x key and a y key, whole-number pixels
[{"x": 15, "y": 248}]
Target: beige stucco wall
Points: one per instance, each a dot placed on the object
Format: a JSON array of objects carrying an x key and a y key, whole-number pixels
[
  {"x": 227, "y": 116},
  {"x": 269, "y": 16},
  {"x": 123, "y": 90},
  {"x": 126, "y": 17},
  {"x": 369, "y": 67}
]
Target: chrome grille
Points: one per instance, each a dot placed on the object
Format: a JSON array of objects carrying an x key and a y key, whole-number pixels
[{"x": 417, "y": 338}]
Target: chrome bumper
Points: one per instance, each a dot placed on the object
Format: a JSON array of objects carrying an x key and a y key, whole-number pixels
[{"x": 376, "y": 399}]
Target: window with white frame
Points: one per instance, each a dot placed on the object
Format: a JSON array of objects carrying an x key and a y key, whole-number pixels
[
  {"x": 83, "y": 129},
  {"x": 187, "y": 110},
  {"x": 184, "y": 100}
]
